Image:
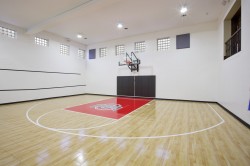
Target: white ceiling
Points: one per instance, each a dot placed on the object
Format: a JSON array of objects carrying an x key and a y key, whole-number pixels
[{"x": 97, "y": 19}]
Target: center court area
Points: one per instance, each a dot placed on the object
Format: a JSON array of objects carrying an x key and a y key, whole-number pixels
[{"x": 156, "y": 132}]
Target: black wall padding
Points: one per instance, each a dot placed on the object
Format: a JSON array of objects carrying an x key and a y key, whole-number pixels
[
  {"x": 143, "y": 86},
  {"x": 125, "y": 85}
]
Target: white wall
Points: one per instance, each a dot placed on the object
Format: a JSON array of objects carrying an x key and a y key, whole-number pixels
[
  {"x": 188, "y": 74},
  {"x": 235, "y": 71},
  {"x": 22, "y": 53}
]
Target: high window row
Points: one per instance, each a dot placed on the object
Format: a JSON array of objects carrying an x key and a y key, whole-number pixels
[
  {"x": 163, "y": 44},
  {"x": 64, "y": 49}
]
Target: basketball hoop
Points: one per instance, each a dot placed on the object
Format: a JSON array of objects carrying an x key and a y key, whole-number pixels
[
  {"x": 127, "y": 62},
  {"x": 131, "y": 61}
]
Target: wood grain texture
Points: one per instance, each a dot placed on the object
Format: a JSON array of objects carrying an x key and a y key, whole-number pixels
[{"x": 121, "y": 142}]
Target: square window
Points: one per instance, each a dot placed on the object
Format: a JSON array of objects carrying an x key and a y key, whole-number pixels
[
  {"x": 64, "y": 49},
  {"x": 81, "y": 53},
  {"x": 140, "y": 46},
  {"x": 41, "y": 41},
  {"x": 163, "y": 44},
  {"x": 183, "y": 41},
  {"x": 7, "y": 32},
  {"x": 119, "y": 50},
  {"x": 92, "y": 54},
  {"x": 103, "y": 52}
]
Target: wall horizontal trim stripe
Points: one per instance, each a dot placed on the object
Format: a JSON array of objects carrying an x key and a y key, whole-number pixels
[
  {"x": 33, "y": 71},
  {"x": 73, "y": 86}
]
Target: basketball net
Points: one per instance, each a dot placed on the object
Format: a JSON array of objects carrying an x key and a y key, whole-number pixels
[{"x": 127, "y": 61}]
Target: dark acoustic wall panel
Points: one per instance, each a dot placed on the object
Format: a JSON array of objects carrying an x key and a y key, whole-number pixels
[
  {"x": 183, "y": 41},
  {"x": 143, "y": 86},
  {"x": 92, "y": 54},
  {"x": 125, "y": 85}
]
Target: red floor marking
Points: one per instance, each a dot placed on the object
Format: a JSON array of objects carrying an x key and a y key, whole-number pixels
[{"x": 114, "y": 108}]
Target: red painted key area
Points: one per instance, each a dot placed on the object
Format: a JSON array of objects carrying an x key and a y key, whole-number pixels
[{"x": 114, "y": 108}]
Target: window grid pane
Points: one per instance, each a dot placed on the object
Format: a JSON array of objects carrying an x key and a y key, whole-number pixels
[
  {"x": 140, "y": 46},
  {"x": 119, "y": 50},
  {"x": 64, "y": 49},
  {"x": 163, "y": 44},
  {"x": 103, "y": 52},
  {"x": 7, "y": 32},
  {"x": 81, "y": 53},
  {"x": 41, "y": 41}
]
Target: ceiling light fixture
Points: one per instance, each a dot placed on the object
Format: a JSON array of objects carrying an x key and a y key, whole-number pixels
[
  {"x": 119, "y": 26},
  {"x": 79, "y": 36},
  {"x": 183, "y": 11}
]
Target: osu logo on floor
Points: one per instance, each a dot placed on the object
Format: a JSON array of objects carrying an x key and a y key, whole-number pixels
[{"x": 103, "y": 107}]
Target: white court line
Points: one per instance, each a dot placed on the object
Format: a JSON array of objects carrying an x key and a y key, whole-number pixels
[
  {"x": 86, "y": 128},
  {"x": 122, "y": 137},
  {"x": 222, "y": 120},
  {"x": 32, "y": 107}
]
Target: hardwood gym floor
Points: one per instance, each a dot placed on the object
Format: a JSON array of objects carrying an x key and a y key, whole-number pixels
[{"x": 161, "y": 132}]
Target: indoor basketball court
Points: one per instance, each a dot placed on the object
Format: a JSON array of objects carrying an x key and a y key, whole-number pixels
[{"x": 84, "y": 83}]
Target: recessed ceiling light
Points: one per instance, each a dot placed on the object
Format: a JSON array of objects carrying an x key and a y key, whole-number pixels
[
  {"x": 183, "y": 10},
  {"x": 119, "y": 25},
  {"x": 79, "y": 36}
]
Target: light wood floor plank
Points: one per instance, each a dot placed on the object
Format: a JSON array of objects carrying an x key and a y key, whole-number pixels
[{"x": 24, "y": 143}]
